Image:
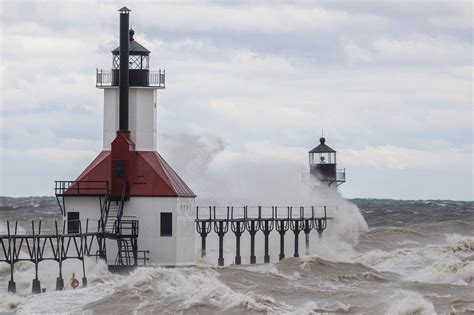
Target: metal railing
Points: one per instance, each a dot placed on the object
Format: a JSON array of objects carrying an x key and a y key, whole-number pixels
[
  {"x": 126, "y": 228},
  {"x": 341, "y": 175},
  {"x": 104, "y": 78},
  {"x": 142, "y": 257},
  {"x": 249, "y": 213},
  {"x": 82, "y": 187},
  {"x": 157, "y": 78}
]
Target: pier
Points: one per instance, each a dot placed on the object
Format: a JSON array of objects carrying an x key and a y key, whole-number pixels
[
  {"x": 254, "y": 219},
  {"x": 88, "y": 239}
]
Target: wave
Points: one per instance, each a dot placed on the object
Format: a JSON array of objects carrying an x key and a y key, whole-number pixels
[
  {"x": 179, "y": 290},
  {"x": 459, "y": 243},
  {"x": 375, "y": 232},
  {"x": 9, "y": 302},
  {"x": 449, "y": 262},
  {"x": 317, "y": 268},
  {"x": 404, "y": 302},
  {"x": 52, "y": 301}
]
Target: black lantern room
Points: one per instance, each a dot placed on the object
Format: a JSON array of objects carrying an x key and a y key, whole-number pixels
[
  {"x": 322, "y": 164},
  {"x": 139, "y": 73},
  {"x": 138, "y": 63}
]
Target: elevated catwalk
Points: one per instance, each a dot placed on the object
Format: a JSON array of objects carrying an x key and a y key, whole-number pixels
[
  {"x": 265, "y": 219},
  {"x": 88, "y": 239}
]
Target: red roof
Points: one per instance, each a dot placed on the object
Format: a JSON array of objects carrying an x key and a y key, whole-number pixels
[{"x": 151, "y": 175}]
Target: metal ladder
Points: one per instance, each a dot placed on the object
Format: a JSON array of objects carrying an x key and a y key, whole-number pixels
[
  {"x": 112, "y": 215},
  {"x": 125, "y": 255}
]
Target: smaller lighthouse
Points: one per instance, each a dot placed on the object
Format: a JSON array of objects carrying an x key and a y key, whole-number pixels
[{"x": 323, "y": 165}]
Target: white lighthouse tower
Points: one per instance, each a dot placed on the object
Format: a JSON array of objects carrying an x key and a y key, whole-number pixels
[{"x": 129, "y": 185}]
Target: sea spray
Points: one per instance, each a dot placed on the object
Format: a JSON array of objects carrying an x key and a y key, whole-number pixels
[
  {"x": 404, "y": 302},
  {"x": 183, "y": 289},
  {"x": 432, "y": 263}
]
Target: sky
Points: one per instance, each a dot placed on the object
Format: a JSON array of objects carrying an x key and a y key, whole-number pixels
[{"x": 250, "y": 87}]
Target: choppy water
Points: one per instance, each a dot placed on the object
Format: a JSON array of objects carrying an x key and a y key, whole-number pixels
[{"x": 415, "y": 257}]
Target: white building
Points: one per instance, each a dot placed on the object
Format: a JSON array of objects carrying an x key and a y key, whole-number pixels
[{"x": 129, "y": 185}]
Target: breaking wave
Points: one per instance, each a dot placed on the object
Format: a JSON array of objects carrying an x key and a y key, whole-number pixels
[
  {"x": 450, "y": 262},
  {"x": 422, "y": 268}
]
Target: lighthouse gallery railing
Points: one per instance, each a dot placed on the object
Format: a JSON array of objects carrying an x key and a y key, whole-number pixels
[{"x": 104, "y": 78}]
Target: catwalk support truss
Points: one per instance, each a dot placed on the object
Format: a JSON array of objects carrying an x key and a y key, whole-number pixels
[
  {"x": 264, "y": 219},
  {"x": 37, "y": 246}
]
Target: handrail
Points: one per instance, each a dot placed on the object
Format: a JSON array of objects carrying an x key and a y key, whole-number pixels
[
  {"x": 339, "y": 176},
  {"x": 122, "y": 201},
  {"x": 104, "y": 78},
  {"x": 127, "y": 228},
  {"x": 228, "y": 213},
  {"x": 74, "y": 187}
]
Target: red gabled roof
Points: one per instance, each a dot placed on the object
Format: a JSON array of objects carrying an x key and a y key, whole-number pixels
[{"x": 151, "y": 175}]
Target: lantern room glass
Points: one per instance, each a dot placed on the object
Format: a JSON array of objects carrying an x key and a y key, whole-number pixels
[
  {"x": 322, "y": 158},
  {"x": 135, "y": 62}
]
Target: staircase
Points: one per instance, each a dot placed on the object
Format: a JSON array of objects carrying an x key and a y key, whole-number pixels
[
  {"x": 112, "y": 215},
  {"x": 112, "y": 210},
  {"x": 125, "y": 256}
]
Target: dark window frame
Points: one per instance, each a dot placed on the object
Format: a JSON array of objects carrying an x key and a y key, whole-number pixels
[
  {"x": 119, "y": 169},
  {"x": 73, "y": 224},
  {"x": 166, "y": 224}
]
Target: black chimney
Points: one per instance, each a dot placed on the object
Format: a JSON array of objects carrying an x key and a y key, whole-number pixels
[{"x": 123, "y": 82}]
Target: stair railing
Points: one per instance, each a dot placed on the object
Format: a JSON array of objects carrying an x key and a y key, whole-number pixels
[
  {"x": 104, "y": 208},
  {"x": 120, "y": 211}
]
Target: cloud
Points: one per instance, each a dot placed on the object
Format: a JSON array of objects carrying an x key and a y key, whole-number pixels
[
  {"x": 69, "y": 158},
  {"x": 400, "y": 158},
  {"x": 390, "y": 83},
  {"x": 243, "y": 18}
]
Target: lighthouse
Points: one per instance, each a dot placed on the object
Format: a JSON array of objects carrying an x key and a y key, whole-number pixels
[
  {"x": 129, "y": 186},
  {"x": 323, "y": 166}
]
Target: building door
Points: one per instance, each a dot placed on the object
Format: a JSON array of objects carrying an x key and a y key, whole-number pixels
[{"x": 119, "y": 177}]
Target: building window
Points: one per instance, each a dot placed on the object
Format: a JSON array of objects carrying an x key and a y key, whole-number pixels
[
  {"x": 119, "y": 169},
  {"x": 73, "y": 222},
  {"x": 166, "y": 224}
]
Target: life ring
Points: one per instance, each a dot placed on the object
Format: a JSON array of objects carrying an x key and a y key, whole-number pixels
[{"x": 74, "y": 283}]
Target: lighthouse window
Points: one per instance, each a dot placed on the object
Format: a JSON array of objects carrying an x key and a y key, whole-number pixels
[
  {"x": 73, "y": 222},
  {"x": 166, "y": 224},
  {"x": 145, "y": 62},
  {"x": 135, "y": 62},
  {"x": 119, "y": 169},
  {"x": 116, "y": 62}
]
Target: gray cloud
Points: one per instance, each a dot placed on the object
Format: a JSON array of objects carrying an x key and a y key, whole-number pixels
[{"x": 391, "y": 78}]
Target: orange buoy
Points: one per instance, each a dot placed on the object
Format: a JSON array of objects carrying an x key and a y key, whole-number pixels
[{"x": 74, "y": 281}]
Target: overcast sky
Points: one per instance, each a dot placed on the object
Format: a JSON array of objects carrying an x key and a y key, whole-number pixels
[{"x": 250, "y": 86}]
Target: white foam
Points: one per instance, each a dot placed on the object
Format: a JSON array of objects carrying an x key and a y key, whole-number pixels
[
  {"x": 194, "y": 287},
  {"x": 405, "y": 302},
  {"x": 53, "y": 301},
  {"x": 314, "y": 308},
  {"x": 63, "y": 302},
  {"x": 9, "y": 302},
  {"x": 436, "y": 263}
]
